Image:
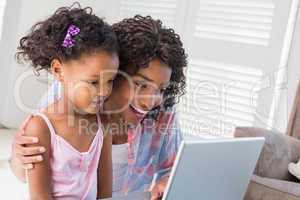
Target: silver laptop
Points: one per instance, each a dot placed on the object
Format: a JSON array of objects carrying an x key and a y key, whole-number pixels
[
  {"x": 218, "y": 169},
  {"x": 213, "y": 169}
]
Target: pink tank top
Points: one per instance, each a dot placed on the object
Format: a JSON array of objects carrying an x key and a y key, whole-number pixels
[{"x": 73, "y": 173}]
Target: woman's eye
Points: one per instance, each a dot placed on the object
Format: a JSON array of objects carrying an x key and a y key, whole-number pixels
[
  {"x": 163, "y": 90},
  {"x": 140, "y": 85},
  {"x": 94, "y": 82}
]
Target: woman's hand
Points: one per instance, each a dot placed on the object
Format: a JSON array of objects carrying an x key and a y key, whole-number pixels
[
  {"x": 22, "y": 156},
  {"x": 159, "y": 188}
]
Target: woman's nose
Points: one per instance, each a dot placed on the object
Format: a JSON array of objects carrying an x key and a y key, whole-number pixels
[{"x": 148, "y": 102}]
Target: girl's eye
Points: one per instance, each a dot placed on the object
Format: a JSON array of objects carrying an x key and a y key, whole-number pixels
[{"x": 143, "y": 86}]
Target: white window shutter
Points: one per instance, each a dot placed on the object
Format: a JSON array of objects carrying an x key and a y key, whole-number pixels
[
  {"x": 170, "y": 12},
  {"x": 236, "y": 48}
]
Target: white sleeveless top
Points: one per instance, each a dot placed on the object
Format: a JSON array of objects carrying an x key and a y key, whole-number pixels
[{"x": 120, "y": 165}]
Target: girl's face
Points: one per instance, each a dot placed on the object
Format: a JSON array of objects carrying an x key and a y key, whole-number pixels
[
  {"x": 88, "y": 80},
  {"x": 136, "y": 95}
]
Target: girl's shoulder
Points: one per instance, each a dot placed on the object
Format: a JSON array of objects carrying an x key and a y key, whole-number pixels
[{"x": 37, "y": 127}]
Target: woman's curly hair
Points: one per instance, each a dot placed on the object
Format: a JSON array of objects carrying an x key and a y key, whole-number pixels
[
  {"x": 142, "y": 39},
  {"x": 44, "y": 41}
]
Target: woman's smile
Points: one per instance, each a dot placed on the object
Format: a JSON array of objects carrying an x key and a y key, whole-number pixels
[{"x": 139, "y": 114}]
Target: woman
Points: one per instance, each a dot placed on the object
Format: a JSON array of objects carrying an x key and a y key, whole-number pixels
[{"x": 140, "y": 111}]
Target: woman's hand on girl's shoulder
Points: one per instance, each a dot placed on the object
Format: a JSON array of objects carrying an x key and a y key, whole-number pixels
[
  {"x": 24, "y": 155},
  {"x": 40, "y": 177}
]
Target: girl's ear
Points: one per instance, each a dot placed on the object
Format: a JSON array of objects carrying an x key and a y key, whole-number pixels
[{"x": 56, "y": 69}]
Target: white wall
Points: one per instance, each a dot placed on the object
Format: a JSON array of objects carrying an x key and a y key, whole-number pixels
[{"x": 2, "y": 6}]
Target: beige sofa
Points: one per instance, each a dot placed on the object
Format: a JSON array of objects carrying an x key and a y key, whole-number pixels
[{"x": 271, "y": 179}]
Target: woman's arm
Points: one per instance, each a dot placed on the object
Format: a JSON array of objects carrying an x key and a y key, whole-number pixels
[
  {"x": 104, "y": 172},
  {"x": 39, "y": 178},
  {"x": 170, "y": 146},
  {"x": 171, "y": 143},
  {"x": 22, "y": 156}
]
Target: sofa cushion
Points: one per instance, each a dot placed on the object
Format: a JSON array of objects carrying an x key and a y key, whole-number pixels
[
  {"x": 279, "y": 150},
  {"x": 272, "y": 189}
]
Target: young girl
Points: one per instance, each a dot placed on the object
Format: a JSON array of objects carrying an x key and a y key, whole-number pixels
[{"x": 80, "y": 50}]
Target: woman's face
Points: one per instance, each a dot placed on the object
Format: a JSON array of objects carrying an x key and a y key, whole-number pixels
[{"x": 134, "y": 96}]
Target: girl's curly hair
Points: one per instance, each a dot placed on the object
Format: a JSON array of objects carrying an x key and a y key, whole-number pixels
[
  {"x": 142, "y": 39},
  {"x": 44, "y": 41}
]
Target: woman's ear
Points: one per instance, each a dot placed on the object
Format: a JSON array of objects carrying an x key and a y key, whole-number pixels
[{"x": 56, "y": 69}]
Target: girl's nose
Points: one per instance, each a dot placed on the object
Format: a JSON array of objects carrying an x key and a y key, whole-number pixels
[{"x": 104, "y": 92}]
